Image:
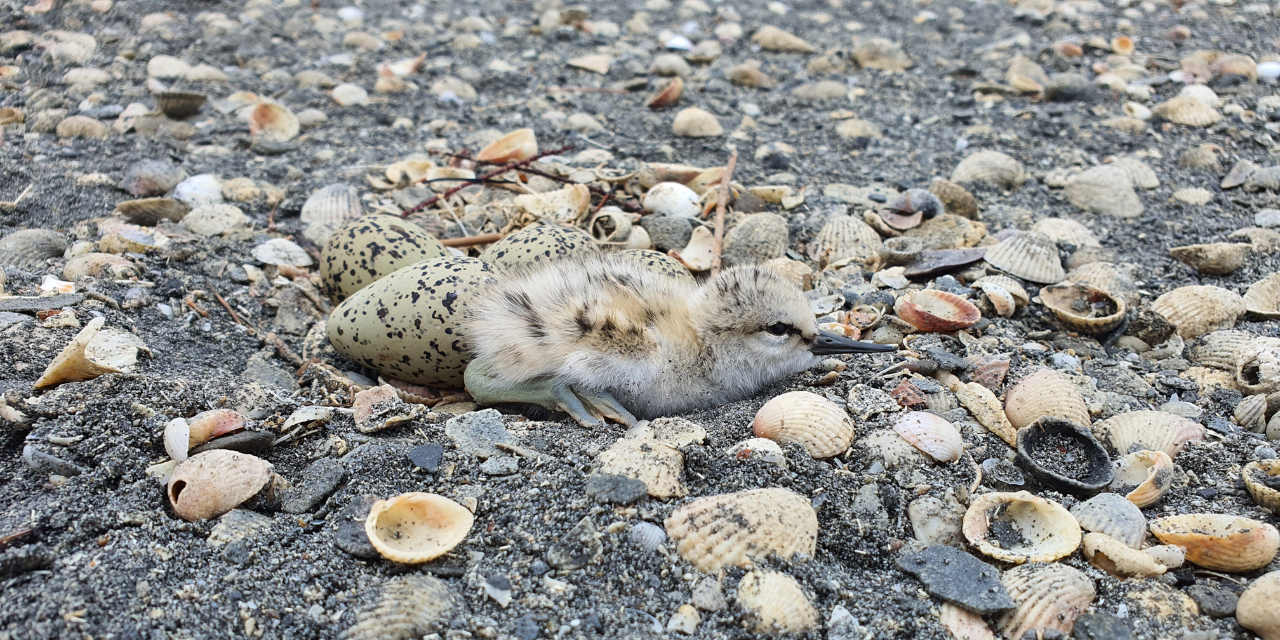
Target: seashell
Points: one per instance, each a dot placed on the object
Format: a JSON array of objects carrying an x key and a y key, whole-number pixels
[
  {"x": 1030, "y": 256},
  {"x": 1143, "y": 476},
  {"x": 808, "y": 419},
  {"x": 879, "y": 53},
  {"x": 565, "y": 206},
  {"x": 1266, "y": 178},
  {"x": 1105, "y": 276},
  {"x": 415, "y": 527},
  {"x": 758, "y": 449},
  {"x": 1258, "y": 366},
  {"x": 1215, "y": 258},
  {"x": 1170, "y": 555},
  {"x": 1063, "y": 456},
  {"x": 1002, "y": 301},
  {"x": 989, "y": 371},
  {"x": 1139, "y": 174},
  {"x": 1256, "y": 610},
  {"x": 73, "y": 364},
  {"x": 1187, "y": 110},
  {"x": 408, "y": 607},
  {"x": 1066, "y": 233},
  {"x": 990, "y": 167},
  {"x": 1148, "y": 431},
  {"x": 281, "y": 252},
  {"x": 379, "y": 408},
  {"x": 1104, "y": 190},
  {"x": 1136, "y": 110},
  {"x": 846, "y": 237},
  {"x": 199, "y": 190},
  {"x": 518, "y": 145},
  {"x": 212, "y": 483},
  {"x": 1235, "y": 65},
  {"x": 152, "y": 178},
  {"x": 1198, "y": 309},
  {"x": 1220, "y": 542},
  {"x": 1010, "y": 285},
  {"x": 671, "y": 199},
  {"x": 1251, "y": 413},
  {"x": 1263, "y": 297},
  {"x": 27, "y": 249},
  {"x": 179, "y": 104},
  {"x": 272, "y": 122},
  {"x": 657, "y": 464},
  {"x": 963, "y": 624},
  {"x": 776, "y": 603},
  {"x": 1262, "y": 479},
  {"x": 347, "y": 94},
  {"x": 181, "y": 434},
  {"x": 986, "y": 409},
  {"x": 1201, "y": 93},
  {"x": 1044, "y": 393},
  {"x": 610, "y": 225},
  {"x": 368, "y": 248},
  {"x": 1049, "y": 597},
  {"x": 1221, "y": 349},
  {"x": 956, "y": 199},
  {"x": 1112, "y": 556},
  {"x": 933, "y": 435},
  {"x": 1193, "y": 195},
  {"x": 736, "y": 529},
  {"x": 693, "y": 122},
  {"x": 936, "y": 311},
  {"x": 901, "y": 250},
  {"x": 331, "y": 207},
  {"x": 1083, "y": 308},
  {"x": 90, "y": 265},
  {"x": 1033, "y": 529},
  {"x": 11, "y": 115},
  {"x": 667, "y": 95},
  {"x": 1110, "y": 514},
  {"x": 647, "y": 536},
  {"x": 1026, "y": 76},
  {"x": 653, "y": 173},
  {"x": 150, "y": 211}
]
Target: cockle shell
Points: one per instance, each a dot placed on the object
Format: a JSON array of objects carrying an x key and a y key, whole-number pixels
[
  {"x": 1027, "y": 255},
  {"x": 991, "y": 167},
  {"x": 812, "y": 421},
  {"x": 1066, "y": 233},
  {"x": 1106, "y": 276},
  {"x": 1002, "y": 301},
  {"x": 1104, "y": 190},
  {"x": 658, "y": 465},
  {"x": 931, "y": 434},
  {"x": 647, "y": 536},
  {"x": 179, "y": 104},
  {"x": 180, "y": 434},
  {"x": 963, "y": 624},
  {"x": 1251, "y": 413},
  {"x": 1083, "y": 308},
  {"x": 1148, "y": 431},
  {"x": 1010, "y": 285},
  {"x": 565, "y": 206},
  {"x": 1187, "y": 110},
  {"x": 736, "y": 529},
  {"x": 1256, "y": 609},
  {"x": 1143, "y": 476},
  {"x": 846, "y": 237},
  {"x": 1198, "y": 309},
  {"x": 150, "y": 211},
  {"x": 1220, "y": 349},
  {"x": 1049, "y": 597},
  {"x": 1111, "y": 514},
  {"x": 1220, "y": 542},
  {"x": 416, "y": 527},
  {"x": 1262, "y": 479},
  {"x": 91, "y": 265},
  {"x": 212, "y": 483},
  {"x": 776, "y": 602},
  {"x": 936, "y": 311},
  {"x": 1112, "y": 556},
  {"x": 27, "y": 249},
  {"x": 1263, "y": 297},
  {"x": 272, "y": 122},
  {"x": 1044, "y": 393},
  {"x": 73, "y": 363},
  {"x": 1139, "y": 174},
  {"x": 329, "y": 208},
  {"x": 368, "y": 248},
  {"x": 518, "y": 145},
  {"x": 408, "y": 607},
  {"x": 1258, "y": 366},
  {"x": 1034, "y": 529},
  {"x": 1215, "y": 258}
]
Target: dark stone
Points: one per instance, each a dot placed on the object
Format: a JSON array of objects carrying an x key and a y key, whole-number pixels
[
  {"x": 946, "y": 360},
  {"x": 242, "y": 441},
  {"x": 238, "y": 552},
  {"x": 1069, "y": 87},
  {"x": 527, "y": 627},
  {"x": 1101, "y": 625},
  {"x": 612, "y": 489},
  {"x": 32, "y": 304},
  {"x": 50, "y": 463},
  {"x": 748, "y": 202},
  {"x": 318, "y": 481},
  {"x": 427, "y": 456},
  {"x": 1183, "y": 578},
  {"x": 936, "y": 262},
  {"x": 665, "y": 233},
  {"x": 957, "y": 577},
  {"x": 1150, "y": 327},
  {"x": 1213, "y": 602},
  {"x": 350, "y": 536},
  {"x": 593, "y": 623},
  {"x": 575, "y": 548},
  {"x": 538, "y": 567},
  {"x": 24, "y": 559}
]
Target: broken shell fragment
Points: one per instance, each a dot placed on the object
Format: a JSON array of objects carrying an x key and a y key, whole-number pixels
[
  {"x": 1220, "y": 542},
  {"x": 28, "y": 249},
  {"x": 1044, "y": 393},
  {"x": 1063, "y": 456},
  {"x": 657, "y": 464},
  {"x": 73, "y": 364},
  {"x": 1020, "y": 527},
  {"x": 150, "y": 211},
  {"x": 1262, "y": 479},
  {"x": 776, "y": 602},
  {"x": 936, "y": 311},
  {"x": 735, "y": 529},
  {"x": 1263, "y": 297},
  {"x": 933, "y": 435},
  {"x": 1050, "y": 597},
  {"x": 1148, "y": 431},
  {"x": 990, "y": 167},
  {"x": 986, "y": 409},
  {"x": 1198, "y": 309},
  {"x": 699, "y": 253},
  {"x": 212, "y": 483},
  {"x": 1143, "y": 476},
  {"x": 1112, "y": 556},
  {"x": 566, "y": 206},
  {"x": 328, "y": 208},
  {"x": 1256, "y": 609},
  {"x": 1084, "y": 308},
  {"x": 272, "y": 122},
  {"x": 415, "y": 527},
  {"x": 1258, "y": 366},
  {"x": 668, "y": 95},
  {"x": 1110, "y": 514},
  {"x": 1216, "y": 258},
  {"x": 1027, "y": 255},
  {"x": 808, "y": 419},
  {"x": 518, "y": 145},
  {"x": 181, "y": 434}
]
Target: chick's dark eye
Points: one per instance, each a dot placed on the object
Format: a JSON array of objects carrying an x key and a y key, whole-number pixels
[{"x": 778, "y": 328}]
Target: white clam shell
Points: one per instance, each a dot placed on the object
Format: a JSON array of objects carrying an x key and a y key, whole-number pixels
[
  {"x": 931, "y": 434},
  {"x": 1263, "y": 297},
  {"x": 991, "y": 167},
  {"x": 1045, "y": 530},
  {"x": 1028, "y": 255},
  {"x": 776, "y": 603},
  {"x": 1220, "y": 349},
  {"x": 815, "y": 423},
  {"x": 1258, "y": 366},
  {"x": 1049, "y": 596},
  {"x": 1148, "y": 430},
  {"x": 1044, "y": 393},
  {"x": 736, "y": 529}
]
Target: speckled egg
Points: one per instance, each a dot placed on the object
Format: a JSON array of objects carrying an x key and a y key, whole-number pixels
[
  {"x": 370, "y": 247},
  {"x": 543, "y": 243},
  {"x": 408, "y": 325},
  {"x": 658, "y": 263}
]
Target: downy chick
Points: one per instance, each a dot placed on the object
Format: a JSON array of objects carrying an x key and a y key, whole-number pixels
[{"x": 606, "y": 338}]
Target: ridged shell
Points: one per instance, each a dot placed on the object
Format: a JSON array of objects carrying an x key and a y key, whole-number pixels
[
  {"x": 415, "y": 527},
  {"x": 991, "y": 167},
  {"x": 1251, "y": 413},
  {"x": 150, "y": 211},
  {"x": 1263, "y": 297},
  {"x": 1066, "y": 232},
  {"x": 1104, "y": 190},
  {"x": 1049, "y": 596},
  {"x": 1010, "y": 285},
  {"x": 179, "y": 104},
  {"x": 1083, "y": 308},
  {"x": 963, "y": 625},
  {"x": 1105, "y": 276},
  {"x": 27, "y": 249},
  {"x": 1220, "y": 542},
  {"x": 92, "y": 265},
  {"x": 408, "y": 607},
  {"x": 1148, "y": 431},
  {"x": 1198, "y": 309},
  {"x": 656, "y": 464},
  {"x": 1262, "y": 478},
  {"x": 1188, "y": 111},
  {"x": 1111, "y": 514},
  {"x": 812, "y": 421},
  {"x": 1044, "y": 393},
  {"x": 212, "y": 483},
  {"x": 735, "y": 529},
  {"x": 180, "y": 434},
  {"x": 1215, "y": 258},
  {"x": 272, "y": 122},
  {"x": 1030, "y": 256},
  {"x": 1258, "y": 366},
  {"x": 1143, "y": 476},
  {"x": 1036, "y": 530},
  {"x": 329, "y": 208},
  {"x": 647, "y": 536},
  {"x": 1220, "y": 349},
  {"x": 1112, "y": 556},
  {"x": 518, "y": 145},
  {"x": 1138, "y": 172},
  {"x": 936, "y": 311},
  {"x": 846, "y": 237},
  {"x": 931, "y": 434},
  {"x": 368, "y": 248},
  {"x": 776, "y": 602},
  {"x": 540, "y": 244},
  {"x": 1256, "y": 609}
]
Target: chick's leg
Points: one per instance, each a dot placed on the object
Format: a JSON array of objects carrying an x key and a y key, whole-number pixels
[
  {"x": 606, "y": 405},
  {"x": 487, "y": 388}
]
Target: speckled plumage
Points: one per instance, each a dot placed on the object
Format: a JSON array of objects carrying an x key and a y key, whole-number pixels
[{"x": 371, "y": 247}]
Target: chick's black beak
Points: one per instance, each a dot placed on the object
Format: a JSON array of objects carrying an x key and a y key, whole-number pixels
[{"x": 828, "y": 344}]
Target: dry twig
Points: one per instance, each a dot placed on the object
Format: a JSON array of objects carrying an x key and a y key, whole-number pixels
[
  {"x": 469, "y": 241},
  {"x": 488, "y": 176},
  {"x": 721, "y": 201}
]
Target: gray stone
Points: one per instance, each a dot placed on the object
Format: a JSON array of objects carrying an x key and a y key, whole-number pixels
[
  {"x": 576, "y": 547},
  {"x": 32, "y": 304},
  {"x": 1101, "y": 625},
  {"x": 1267, "y": 218},
  {"x": 667, "y": 233},
  {"x": 614, "y": 489},
  {"x": 318, "y": 481},
  {"x": 500, "y": 466},
  {"x": 263, "y": 372},
  {"x": 49, "y": 463},
  {"x": 427, "y": 456},
  {"x": 478, "y": 433},
  {"x": 9, "y": 318},
  {"x": 843, "y": 626},
  {"x": 527, "y": 627},
  {"x": 957, "y": 577},
  {"x": 1213, "y": 602},
  {"x": 350, "y": 536}
]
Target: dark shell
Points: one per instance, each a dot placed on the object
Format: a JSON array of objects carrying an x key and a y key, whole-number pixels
[
  {"x": 368, "y": 248},
  {"x": 179, "y": 104},
  {"x": 1064, "y": 456},
  {"x": 938, "y": 262}
]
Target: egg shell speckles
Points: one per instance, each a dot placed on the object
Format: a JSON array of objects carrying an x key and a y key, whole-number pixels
[
  {"x": 371, "y": 247},
  {"x": 545, "y": 243},
  {"x": 408, "y": 325}
]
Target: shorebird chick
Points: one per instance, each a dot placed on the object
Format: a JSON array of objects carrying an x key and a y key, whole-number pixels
[{"x": 606, "y": 338}]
